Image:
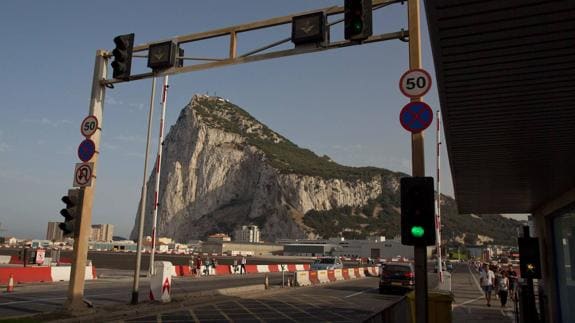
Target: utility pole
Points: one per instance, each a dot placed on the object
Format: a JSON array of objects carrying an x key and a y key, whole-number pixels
[
  {"x": 75, "y": 300},
  {"x": 417, "y": 163},
  {"x": 135, "y": 289}
]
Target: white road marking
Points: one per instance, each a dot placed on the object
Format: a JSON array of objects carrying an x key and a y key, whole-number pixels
[
  {"x": 359, "y": 293},
  {"x": 53, "y": 299},
  {"x": 475, "y": 280},
  {"x": 467, "y": 302}
]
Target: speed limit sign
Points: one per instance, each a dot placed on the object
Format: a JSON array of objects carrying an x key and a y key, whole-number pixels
[
  {"x": 415, "y": 83},
  {"x": 89, "y": 126}
]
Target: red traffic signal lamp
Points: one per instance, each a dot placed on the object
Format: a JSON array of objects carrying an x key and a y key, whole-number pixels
[
  {"x": 357, "y": 19},
  {"x": 71, "y": 212},
  {"x": 122, "y": 64},
  {"x": 417, "y": 211}
]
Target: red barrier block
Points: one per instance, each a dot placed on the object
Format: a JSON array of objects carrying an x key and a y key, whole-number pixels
[
  {"x": 26, "y": 274},
  {"x": 223, "y": 270},
  {"x": 15, "y": 261},
  {"x": 345, "y": 273},
  {"x": 291, "y": 268},
  {"x": 313, "y": 277},
  {"x": 356, "y": 272},
  {"x": 273, "y": 268},
  {"x": 94, "y": 272},
  {"x": 186, "y": 271},
  {"x": 307, "y": 266},
  {"x": 252, "y": 269},
  {"x": 331, "y": 275}
]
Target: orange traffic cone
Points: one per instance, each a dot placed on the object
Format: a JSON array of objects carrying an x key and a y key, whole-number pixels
[{"x": 10, "y": 287}]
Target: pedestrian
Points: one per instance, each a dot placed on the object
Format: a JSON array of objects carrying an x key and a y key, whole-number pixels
[
  {"x": 512, "y": 276},
  {"x": 243, "y": 267},
  {"x": 235, "y": 265},
  {"x": 487, "y": 279},
  {"x": 199, "y": 266},
  {"x": 208, "y": 265},
  {"x": 214, "y": 264},
  {"x": 192, "y": 265},
  {"x": 503, "y": 287}
]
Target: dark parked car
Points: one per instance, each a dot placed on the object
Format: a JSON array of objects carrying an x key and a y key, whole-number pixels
[{"x": 396, "y": 276}]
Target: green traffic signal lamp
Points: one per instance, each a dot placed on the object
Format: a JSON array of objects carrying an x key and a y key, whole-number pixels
[{"x": 417, "y": 231}]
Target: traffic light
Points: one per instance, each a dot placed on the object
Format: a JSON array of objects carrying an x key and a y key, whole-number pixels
[
  {"x": 72, "y": 211},
  {"x": 417, "y": 211},
  {"x": 122, "y": 63},
  {"x": 529, "y": 263},
  {"x": 162, "y": 55},
  {"x": 357, "y": 19}
]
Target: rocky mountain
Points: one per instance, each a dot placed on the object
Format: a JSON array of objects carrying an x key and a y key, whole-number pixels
[{"x": 221, "y": 168}]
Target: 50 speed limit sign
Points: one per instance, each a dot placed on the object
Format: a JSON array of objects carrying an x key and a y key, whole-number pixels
[
  {"x": 415, "y": 83},
  {"x": 89, "y": 126}
]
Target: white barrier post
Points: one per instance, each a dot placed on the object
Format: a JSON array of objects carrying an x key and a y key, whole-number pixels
[{"x": 161, "y": 282}]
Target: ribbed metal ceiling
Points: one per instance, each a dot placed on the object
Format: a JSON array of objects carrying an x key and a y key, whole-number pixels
[{"x": 506, "y": 78}]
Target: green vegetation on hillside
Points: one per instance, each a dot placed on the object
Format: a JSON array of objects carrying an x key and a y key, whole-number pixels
[
  {"x": 387, "y": 222},
  {"x": 284, "y": 155}
]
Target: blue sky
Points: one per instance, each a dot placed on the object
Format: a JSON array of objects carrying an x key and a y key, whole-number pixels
[{"x": 343, "y": 103}]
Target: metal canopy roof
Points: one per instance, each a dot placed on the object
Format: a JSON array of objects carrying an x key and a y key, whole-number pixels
[{"x": 506, "y": 79}]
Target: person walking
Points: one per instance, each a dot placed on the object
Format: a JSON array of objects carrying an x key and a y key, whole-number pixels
[
  {"x": 512, "y": 276},
  {"x": 243, "y": 265},
  {"x": 487, "y": 279},
  {"x": 199, "y": 266},
  {"x": 503, "y": 287},
  {"x": 235, "y": 265}
]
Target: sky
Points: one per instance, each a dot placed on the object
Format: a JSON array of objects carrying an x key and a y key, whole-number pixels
[{"x": 343, "y": 103}]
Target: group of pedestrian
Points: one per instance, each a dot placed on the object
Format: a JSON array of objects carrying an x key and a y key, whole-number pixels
[
  {"x": 204, "y": 266},
  {"x": 501, "y": 281}
]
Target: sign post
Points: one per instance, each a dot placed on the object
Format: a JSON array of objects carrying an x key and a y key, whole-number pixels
[
  {"x": 75, "y": 302},
  {"x": 417, "y": 162}
]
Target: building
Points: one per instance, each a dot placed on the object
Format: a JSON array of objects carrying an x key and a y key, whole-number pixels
[
  {"x": 248, "y": 233},
  {"x": 241, "y": 248},
  {"x": 54, "y": 233},
  {"x": 508, "y": 129},
  {"x": 219, "y": 237},
  {"x": 102, "y": 232}
]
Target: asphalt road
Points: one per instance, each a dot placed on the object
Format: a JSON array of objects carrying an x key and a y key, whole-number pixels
[{"x": 113, "y": 290}]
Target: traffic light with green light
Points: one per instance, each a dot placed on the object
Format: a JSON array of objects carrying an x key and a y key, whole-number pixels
[
  {"x": 71, "y": 212},
  {"x": 357, "y": 19},
  {"x": 122, "y": 64},
  {"x": 417, "y": 211}
]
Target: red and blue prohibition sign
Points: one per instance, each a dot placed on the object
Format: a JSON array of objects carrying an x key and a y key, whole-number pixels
[
  {"x": 86, "y": 150},
  {"x": 416, "y": 116}
]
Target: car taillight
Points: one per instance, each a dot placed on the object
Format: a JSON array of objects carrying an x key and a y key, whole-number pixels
[{"x": 410, "y": 274}]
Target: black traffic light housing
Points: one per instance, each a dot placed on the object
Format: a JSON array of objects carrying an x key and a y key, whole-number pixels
[
  {"x": 122, "y": 64},
  {"x": 357, "y": 19},
  {"x": 163, "y": 55},
  {"x": 529, "y": 263},
  {"x": 417, "y": 211},
  {"x": 309, "y": 28},
  {"x": 71, "y": 212}
]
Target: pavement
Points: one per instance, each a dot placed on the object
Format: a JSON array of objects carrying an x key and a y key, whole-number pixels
[
  {"x": 470, "y": 306},
  {"x": 345, "y": 301}
]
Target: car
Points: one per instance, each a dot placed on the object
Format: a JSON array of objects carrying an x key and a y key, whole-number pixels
[
  {"x": 396, "y": 276},
  {"x": 327, "y": 263},
  {"x": 449, "y": 266}
]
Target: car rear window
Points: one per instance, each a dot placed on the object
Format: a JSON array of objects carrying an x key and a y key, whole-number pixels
[
  {"x": 326, "y": 261},
  {"x": 397, "y": 268}
]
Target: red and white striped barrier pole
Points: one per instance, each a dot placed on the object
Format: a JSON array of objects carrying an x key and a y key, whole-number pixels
[{"x": 158, "y": 169}]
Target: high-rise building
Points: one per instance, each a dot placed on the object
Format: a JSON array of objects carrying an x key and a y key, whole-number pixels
[
  {"x": 102, "y": 232},
  {"x": 54, "y": 233},
  {"x": 248, "y": 233}
]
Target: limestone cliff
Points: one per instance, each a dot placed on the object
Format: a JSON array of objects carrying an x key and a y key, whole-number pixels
[{"x": 221, "y": 169}]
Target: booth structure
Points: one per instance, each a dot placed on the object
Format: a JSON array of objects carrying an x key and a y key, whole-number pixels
[{"x": 505, "y": 79}]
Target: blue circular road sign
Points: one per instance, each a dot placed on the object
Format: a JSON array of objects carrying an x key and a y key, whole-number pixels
[
  {"x": 86, "y": 150},
  {"x": 416, "y": 116}
]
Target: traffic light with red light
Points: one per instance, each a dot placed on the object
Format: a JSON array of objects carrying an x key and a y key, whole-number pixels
[
  {"x": 357, "y": 19},
  {"x": 417, "y": 211},
  {"x": 122, "y": 64},
  {"x": 71, "y": 212}
]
